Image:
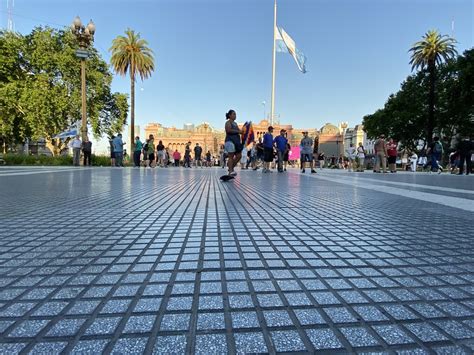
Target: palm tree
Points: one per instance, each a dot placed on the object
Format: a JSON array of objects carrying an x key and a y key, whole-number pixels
[
  {"x": 131, "y": 54},
  {"x": 428, "y": 53}
]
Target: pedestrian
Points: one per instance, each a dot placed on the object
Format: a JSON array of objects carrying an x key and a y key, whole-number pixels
[
  {"x": 233, "y": 145},
  {"x": 321, "y": 160},
  {"x": 176, "y": 157},
  {"x": 208, "y": 159},
  {"x": 351, "y": 155},
  {"x": 380, "y": 148},
  {"x": 392, "y": 155},
  {"x": 244, "y": 158},
  {"x": 76, "y": 145},
  {"x": 404, "y": 159},
  {"x": 87, "y": 151},
  {"x": 307, "y": 152},
  {"x": 151, "y": 151},
  {"x": 413, "y": 161},
  {"x": 197, "y": 155},
  {"x": 167, "y": 157},
  {"x": 222, "y": 157},
  {"x": 137, "y": 152},
  {"x": 465, "y": 147},
  {"x": 260, "y": 153},
  {"x": 160, "y": 154},
  {"x": 253, "y": 156},
  {"x": 112, "y": 153},
  {"x": 436, "y": 151},
  {"x": 118, "y": 150},
  {"x": 361, "y": 157},
  {"x": 280, "y": 143},
  {"x": 286, "y": 155},
  {"x": 187, "y": 155},
  {"x": 267, "y": 150}
]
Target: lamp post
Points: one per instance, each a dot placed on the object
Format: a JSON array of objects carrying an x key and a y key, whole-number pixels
[{"x": 84, "y": 36}]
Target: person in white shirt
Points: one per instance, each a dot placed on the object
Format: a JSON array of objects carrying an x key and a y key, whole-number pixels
[
  {"x": 413, "y": 161},
  {"x": 76, "y": 145},
  {"x": 351, "y": 154},
  {"x": 361, "y": 156}
]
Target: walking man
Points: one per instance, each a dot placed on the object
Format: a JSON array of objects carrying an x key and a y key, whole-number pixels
[
  {"x": 87, "y": 151},
  {"x": 118, "y": 150},
  {"x": 76, "y": 145},
  {"x": 307, "y": 152},
  {"x": 380, "y": 148},
  {"x": 267, "y": 150},
  {"x": 436, "y": 150},
  {"x": 187, "y": 155},
  {"x": 137, "y": 152},
  {"x": 281, "y": 146},
  {"x": 197, "y": 155},
  {"x": 465, "y": 147}
]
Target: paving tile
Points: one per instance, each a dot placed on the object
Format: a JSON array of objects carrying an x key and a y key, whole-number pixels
[
  {"x": 244, "y": 320},
  {"x": 175, "y": 322},
  {"x": 89, "y": 346},
  {"x": 358, "y": 336},
  {"x": 208, "y": 321},
  {"x": 130, "y": 346},
  {"x": 106, "y": 325},
  {"x": 48, "y": 348},
  {"x": 211, "y": 344},
  {"x": 392, "y": 334},
  {"x": 250, "y": 343},
  {"x": 287, "y": 340},
  {"x": 172, "y": 344},
  {"x": 323, "y": 339}
]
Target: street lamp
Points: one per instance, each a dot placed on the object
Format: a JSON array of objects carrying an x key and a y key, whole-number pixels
[{"x": 85, "y": 37}]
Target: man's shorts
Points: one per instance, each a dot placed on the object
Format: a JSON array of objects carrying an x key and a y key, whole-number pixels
[
  {"x": 151, "y": 156},
  {"x": 306, "y": 157},
  {"x": 268, "y": 155}
]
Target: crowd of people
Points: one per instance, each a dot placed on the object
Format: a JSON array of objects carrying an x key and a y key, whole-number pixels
[{"x": 270, "y": 153}]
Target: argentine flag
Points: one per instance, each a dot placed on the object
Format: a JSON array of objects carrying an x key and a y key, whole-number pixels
[{"x": 285, "y": 44}]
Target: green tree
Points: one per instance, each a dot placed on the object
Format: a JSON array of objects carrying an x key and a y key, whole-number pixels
[
  {"x": 131, "y": 54},
  {"x": 427, "y": 54},
  {"x": 40, "y": 89}
]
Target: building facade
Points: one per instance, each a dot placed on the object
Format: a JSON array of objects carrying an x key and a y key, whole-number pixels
[{"x": 330, "y": 139}]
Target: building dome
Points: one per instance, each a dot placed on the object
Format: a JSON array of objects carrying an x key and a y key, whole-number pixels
[{"x": 329, "y": 129}]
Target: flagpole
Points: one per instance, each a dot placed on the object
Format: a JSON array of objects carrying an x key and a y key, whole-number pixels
[{"x": 274, "y": 63}]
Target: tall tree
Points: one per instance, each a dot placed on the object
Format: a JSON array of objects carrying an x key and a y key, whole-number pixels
[
  {"x": 131, "y": 54},
  {"x": 40, "y": 87},
  {"x": 427, "y": 54}
]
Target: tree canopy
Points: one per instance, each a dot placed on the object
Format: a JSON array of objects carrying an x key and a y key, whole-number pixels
[
  {"x": 40, "y": 88},
  {"x": 405, "y": 113}
]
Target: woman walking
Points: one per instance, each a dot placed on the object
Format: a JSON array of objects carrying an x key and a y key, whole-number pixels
[{"x": 233, "y": 145}]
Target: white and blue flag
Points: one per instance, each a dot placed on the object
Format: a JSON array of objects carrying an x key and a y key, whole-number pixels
[{"x": 285, "y": 44}]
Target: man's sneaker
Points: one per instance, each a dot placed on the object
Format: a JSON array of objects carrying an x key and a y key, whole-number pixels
[
  {"x": 302, "y": 170},
  {"x": 233, "y": 173},
  {"x": 313, "y": 171}
]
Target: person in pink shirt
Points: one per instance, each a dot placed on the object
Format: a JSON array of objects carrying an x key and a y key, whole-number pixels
[
  {"x": 176, "y": 157},
  {"x": 392, "y": 155}
]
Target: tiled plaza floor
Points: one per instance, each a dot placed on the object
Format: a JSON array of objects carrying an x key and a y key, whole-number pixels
[{"x": 174, "y": 261}]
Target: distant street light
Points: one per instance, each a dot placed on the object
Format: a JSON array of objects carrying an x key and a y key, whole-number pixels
[{"x": 85, "y": 37}]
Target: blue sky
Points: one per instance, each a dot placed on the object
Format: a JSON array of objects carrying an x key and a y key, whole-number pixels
[{"x": 213, "y": 55}]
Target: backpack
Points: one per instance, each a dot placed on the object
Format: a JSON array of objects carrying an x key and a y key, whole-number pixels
[
  {"x": 438, "y": 147},
  {"x": 145, "y": 147}
]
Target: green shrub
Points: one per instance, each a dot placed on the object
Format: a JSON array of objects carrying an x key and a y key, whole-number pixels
[
  {"x": 100, "y": 160},
  {"x": 20, "y": 159}
]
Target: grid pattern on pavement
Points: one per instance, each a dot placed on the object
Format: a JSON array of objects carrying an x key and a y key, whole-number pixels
[{"x": 165, "y": 260}]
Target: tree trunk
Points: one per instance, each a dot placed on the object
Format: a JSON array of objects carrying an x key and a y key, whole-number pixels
[
  {"x": 431, "y": 103},
  {"x": 132, "y": 109}
]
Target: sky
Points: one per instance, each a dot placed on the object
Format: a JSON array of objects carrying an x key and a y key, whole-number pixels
[{"x": 216, "y": 55}]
